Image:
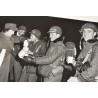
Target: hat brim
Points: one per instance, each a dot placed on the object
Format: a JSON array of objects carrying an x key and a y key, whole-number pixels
[
  {"x": 15, "y": 29},
  {"x": 51, "y": 32}
]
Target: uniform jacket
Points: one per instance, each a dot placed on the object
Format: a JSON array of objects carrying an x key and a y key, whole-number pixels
[
  {"x": 54, "y": 55},
  {"x": 8, "y": 44},
  {"x": 5, "y": 43},
  {"x": 39, "y": 49},
  {"x": 18, "y": 43},
  {"x": 92, "y": 71}
]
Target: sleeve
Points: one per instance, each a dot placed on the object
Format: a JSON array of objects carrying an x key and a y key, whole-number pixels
[
  {"x": 92, "y": 71},
  {"x": 18, "y": 39},
  {"x": 80, "y": 59},
  {"x": 2, "y": 55},
  {"x": 51, "y": 57}
]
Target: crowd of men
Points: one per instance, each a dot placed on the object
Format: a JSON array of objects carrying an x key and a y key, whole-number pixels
[{"x": 37, "y": 59}]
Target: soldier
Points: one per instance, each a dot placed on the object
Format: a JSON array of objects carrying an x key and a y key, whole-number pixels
[
  {"x": 87, "y": 61},
  {"x": 37, "y": 48},
  {"x": 51, "y": 64},
  {"x": 18, "y": 64},
  {"x": 6, "y": 42}
]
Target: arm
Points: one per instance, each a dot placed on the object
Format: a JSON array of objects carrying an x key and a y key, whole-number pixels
[
  {"x": 18, "y": 39},
  {"x": 51, "y": 57}
]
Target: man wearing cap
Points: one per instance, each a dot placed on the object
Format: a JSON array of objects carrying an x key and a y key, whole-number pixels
[
  {"x": 21, "y": 31},
  {"x": 87, "y": 61},
  {"x": 51, "y": 63},
  {"x": 18, "y": 64},
  {"x": 6, "y": 42},
  {"x": 36, "y": 48}
]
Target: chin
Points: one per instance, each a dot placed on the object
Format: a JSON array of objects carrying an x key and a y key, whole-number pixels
[
  {"x": 51, "y": 40},
  {"x": 86, "y": 39}
]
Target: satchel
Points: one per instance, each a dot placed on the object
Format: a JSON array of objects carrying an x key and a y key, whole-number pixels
[
  {"x": 31, "y": 69},
  {"x": 45, "y": 70},
  {"x": 57, "y": 70}
]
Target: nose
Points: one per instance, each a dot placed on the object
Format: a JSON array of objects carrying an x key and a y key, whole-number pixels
[{"x": 50, "y": 35}]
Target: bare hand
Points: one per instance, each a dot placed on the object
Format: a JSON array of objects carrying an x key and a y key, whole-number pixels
[{"x": 30, "y": 52}]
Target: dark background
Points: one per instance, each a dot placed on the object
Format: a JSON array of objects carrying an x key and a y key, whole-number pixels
[{"x": 43, "y": 23}]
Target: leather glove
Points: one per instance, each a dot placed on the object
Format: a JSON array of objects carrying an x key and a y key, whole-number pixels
[
  {"x": 28, "y": 59},
  {"x": 83, "y": 67}
]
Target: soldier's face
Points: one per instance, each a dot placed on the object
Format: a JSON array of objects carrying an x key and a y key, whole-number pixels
[
  {"x": 88, "y": 34},
  {"x": 10, "y": 33},
  {"x": 21, "y": 32},
  {"x": 32, "y": 37},
  {"x": 53, "y": 36}
]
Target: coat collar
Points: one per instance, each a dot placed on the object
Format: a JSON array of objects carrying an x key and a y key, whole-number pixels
[{"x": 92, "y": 41}]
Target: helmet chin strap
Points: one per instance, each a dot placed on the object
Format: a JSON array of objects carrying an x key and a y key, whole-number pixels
[{"x": 80, "y": 44}]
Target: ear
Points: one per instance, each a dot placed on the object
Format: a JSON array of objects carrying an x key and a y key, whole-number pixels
[{"x": 58, "y": 35}]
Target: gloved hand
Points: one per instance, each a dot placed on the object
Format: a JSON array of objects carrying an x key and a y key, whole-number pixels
[
  {"x": 28, "y": 59},
  {"x": 83, "y": 67}
]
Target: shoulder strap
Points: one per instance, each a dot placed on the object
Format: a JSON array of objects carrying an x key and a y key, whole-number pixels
[
  {"x": 38, "y": 48},
  {"x": 87, "y": 56}
]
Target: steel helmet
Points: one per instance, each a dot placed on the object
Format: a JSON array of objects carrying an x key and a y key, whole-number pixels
[{"x": 89, "y": 25}]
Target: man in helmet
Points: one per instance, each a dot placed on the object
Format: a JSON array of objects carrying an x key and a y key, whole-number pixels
[
  {"x": 87, "y": 61},
  {"x": 21, "y": 30},
  {"x": 35, "y": 47},
  {"x": 51, "y": 64},
  {"x": 18, "y": 65}
]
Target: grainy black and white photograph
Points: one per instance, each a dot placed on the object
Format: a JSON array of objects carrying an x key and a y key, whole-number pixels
[{"x": 48, "y": 49}]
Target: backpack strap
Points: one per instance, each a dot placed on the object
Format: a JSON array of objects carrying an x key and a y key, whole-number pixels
[
  {"x": 87, "y": 56},
  {"x": 38, "y": 48}
]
